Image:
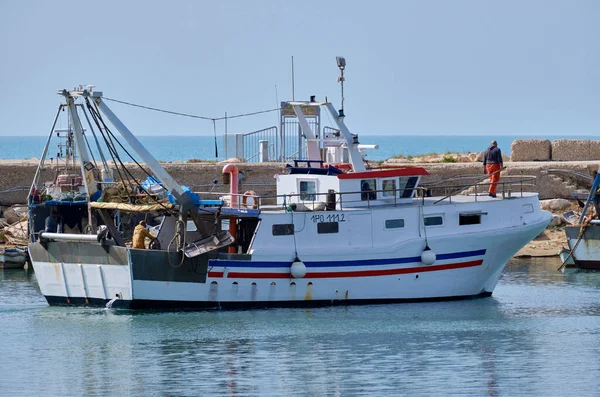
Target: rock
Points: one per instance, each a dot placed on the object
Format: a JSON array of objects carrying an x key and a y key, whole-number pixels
[
  {"x": 474, "y": 156},
  {"x": 18, "y": 230},
  {"x": 556, "y": 221},
  {"x": 530, "y": 150},
  {"x": 11, "y": 216},
  {"x": 575, "y": 150},
  {"x": 231, "y": 160},
  {"x": 555, "y": 204}
]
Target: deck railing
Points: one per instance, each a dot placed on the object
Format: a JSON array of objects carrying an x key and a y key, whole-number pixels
[{"x": 337, "y": 200}]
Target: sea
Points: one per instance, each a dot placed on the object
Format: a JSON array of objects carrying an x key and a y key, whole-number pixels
[
  {"x": 175, "y": 148},
  {"x": 537, "y": 335}
]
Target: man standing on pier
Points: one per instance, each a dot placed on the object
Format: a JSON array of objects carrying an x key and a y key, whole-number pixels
[{"x": 492, "y": 164}]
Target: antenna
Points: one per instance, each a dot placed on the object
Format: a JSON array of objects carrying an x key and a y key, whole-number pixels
[
  {"x": 293, "y": 78},
  {"x": 341, "y": 63}
]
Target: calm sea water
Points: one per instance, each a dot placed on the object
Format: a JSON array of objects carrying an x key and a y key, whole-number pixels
[
  {"x": 538, "y": 335},
  {"x": 180, "y": 148}
]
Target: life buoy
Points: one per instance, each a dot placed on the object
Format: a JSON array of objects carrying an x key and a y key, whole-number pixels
[{"x": 249, "y": 193}]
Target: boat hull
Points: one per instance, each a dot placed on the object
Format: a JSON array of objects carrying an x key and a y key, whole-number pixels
[
  {"x": 83, "y": 274},
  {"x": 144, "y": 304},
  {"x": 586, "y": 255}
]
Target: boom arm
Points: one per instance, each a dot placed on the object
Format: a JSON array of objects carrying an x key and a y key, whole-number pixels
[
  {"x": 184, "y": 200},
  {"x": 172, "y": 186},
  {"x": 355, "y": 157},
  {"x": 312, "y": 144}
]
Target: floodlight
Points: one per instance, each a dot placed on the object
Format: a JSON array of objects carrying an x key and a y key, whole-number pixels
[{"x": 341, "y": 62}]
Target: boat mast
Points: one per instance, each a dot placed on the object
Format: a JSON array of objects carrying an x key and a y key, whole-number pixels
[{"x": 87, "y": 167}]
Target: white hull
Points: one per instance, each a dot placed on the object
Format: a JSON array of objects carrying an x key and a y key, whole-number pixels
[{"x": 468, "y": 265}]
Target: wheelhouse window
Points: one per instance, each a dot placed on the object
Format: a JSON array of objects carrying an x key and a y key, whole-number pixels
[
  {"x": 394, "y": 223},
  {"x": 469, "y": 219},
  {"x": 327, "y": 227},
  {"x": 433, "y": 220},
  {"x": 283, "y": 230},
  {"x": 407, "y": 186},
  {"x": 389, "y": 187},
  {"x": 367, "y": 189},
  {"x": 308, "y": 190}
]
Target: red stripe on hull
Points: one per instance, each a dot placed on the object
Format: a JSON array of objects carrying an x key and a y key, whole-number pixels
[{"x": 356, "y": 273}]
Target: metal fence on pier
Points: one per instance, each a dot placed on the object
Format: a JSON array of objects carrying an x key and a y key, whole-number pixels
[{"x": 283, "y": 143}]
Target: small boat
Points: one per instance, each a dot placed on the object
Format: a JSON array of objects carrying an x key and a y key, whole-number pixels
[
  {"x": 12, "y": 258},
  {"x": 332, "y": 235},
  {"x": 583, "y": 232},
  {"x": 567, "y": 258}
]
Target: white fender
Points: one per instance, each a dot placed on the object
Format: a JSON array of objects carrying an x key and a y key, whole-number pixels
[
  {"x": 298, "y": 269},
  {"x": 428, "y": 257}
]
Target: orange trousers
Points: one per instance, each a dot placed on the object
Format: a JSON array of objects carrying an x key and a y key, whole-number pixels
[{"x": 491, "y": 168}]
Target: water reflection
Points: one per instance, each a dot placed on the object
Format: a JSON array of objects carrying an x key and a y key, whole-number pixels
[{"x": 517, "y": 342}]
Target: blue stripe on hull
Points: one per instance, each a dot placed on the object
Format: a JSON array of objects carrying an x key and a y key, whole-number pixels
[{"x": 361, "y": 262}]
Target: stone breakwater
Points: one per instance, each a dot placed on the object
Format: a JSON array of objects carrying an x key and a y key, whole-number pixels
[
  {"x": 531, "y": 157},
  {"x": 557, "y": 150},
  {"x": 260, "y": 177},
  {"x": 199, "y": 176}
]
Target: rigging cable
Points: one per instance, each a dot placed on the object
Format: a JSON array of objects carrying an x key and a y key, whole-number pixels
[
  {"x": 128, "y": 173},
  {"x": 179, "y": 239},
  {"x": 191, "y": 115},
  {"x": 90, "y": 150},
  {"x": 95, "y": 138},
  {"x": 110, "y": 150}
]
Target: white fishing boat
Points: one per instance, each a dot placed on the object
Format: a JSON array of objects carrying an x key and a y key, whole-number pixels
[{"x": 329, "y": 237}]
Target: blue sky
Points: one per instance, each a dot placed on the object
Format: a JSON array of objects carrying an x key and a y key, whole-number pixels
[{"x": 414, "y": 67}]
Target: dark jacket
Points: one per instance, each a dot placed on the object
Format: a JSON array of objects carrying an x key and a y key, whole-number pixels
[
  {"x": 492, "y": 155},
  {"x": 52, "y": 223}
]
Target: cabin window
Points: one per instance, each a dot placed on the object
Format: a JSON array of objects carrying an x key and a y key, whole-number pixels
[
  {"x": 283, "y": 230},
  {"x": 433, "y": 220},
  {"x": 308, "y": 190},
  {"x": 389, "y": 187},
  {"x": 407, "y": 186},
  {"x": 327, "y": 227},
  {"x": 394, "y": 223},
  {"x": 367, "y": 189},
  {"x": 469, "y": 219}
]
